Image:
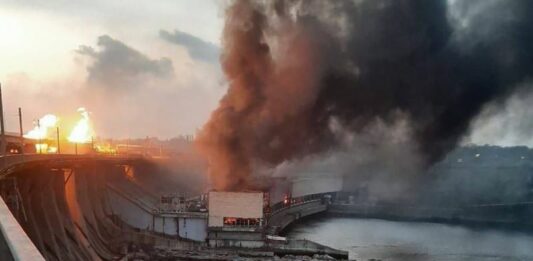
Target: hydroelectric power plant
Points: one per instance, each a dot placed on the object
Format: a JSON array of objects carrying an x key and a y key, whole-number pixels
[
  {"x": 121, "y": 207},
  {"x": 97, "y": 207},
  {"x": 253, "y": 130}
]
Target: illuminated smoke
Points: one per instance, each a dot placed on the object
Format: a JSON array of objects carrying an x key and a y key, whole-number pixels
[
  {"x": 294, "y": 67},
  {"x": 40, "y": 131}
]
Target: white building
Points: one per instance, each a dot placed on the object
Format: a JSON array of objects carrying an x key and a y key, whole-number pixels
[
  {"x": 235, "y": 209},
  {"x": 235, "y": 219}
]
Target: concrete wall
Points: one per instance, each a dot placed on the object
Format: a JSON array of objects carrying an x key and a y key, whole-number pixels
[
  {"x": 14, "y": 242},
  {"x": 129, "y": 212},
  {"x": 166, "y": 225},
  {"x": 228, "y": 243},
  {"x": 70, "y": 213},
  {"x": 234, "y": 204},
  {"x": 306, "y": 247},
  {"x": 5, "y": 252},
  {"x": 192, "y": 228},
  {"x": 246, "y": 239},
  {"x": 136, "y": 216}
]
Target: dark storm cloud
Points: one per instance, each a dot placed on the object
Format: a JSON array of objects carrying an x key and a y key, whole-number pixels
[
  {"x": 197, "y": 48},
  {"x": 118, "y": 66}
]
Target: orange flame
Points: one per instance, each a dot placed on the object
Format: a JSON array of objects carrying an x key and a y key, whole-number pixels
[
  {"x": 82, "y": 131},
  {"x": 105, "y": 149},
  {"x": 44, "y": 148}
]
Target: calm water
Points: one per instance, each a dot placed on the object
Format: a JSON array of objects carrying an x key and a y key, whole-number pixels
[{"x": 391, "y": 240}]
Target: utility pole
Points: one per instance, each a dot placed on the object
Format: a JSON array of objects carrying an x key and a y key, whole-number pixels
[
  {"x": 2, "y": 127},
  {"x": 21, "y": 132},
  {"x": 40, "y": 142},
  {"x": 57, "y": 137}
]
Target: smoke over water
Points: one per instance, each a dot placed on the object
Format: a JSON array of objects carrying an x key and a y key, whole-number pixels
[{"x": 300, "y": 71}]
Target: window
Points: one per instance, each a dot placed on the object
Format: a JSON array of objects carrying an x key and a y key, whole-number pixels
[{"x": 242, "y": 222}]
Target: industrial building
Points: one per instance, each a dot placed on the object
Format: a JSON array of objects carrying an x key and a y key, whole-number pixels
[{"x": 235, "y": 219}]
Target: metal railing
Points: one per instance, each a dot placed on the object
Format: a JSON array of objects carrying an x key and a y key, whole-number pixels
[{"x": 292, "y": 202}]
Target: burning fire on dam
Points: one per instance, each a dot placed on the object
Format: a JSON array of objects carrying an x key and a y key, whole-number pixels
[
  {"x": 82, "y": 130},
  {"x": 61, "y": 135},
  {"x": 47, "y": 128}
]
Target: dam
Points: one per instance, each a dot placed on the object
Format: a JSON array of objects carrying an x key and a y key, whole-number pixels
[
  {"x": 100, "y": 207},
  {"x": 113, "y": 207}
]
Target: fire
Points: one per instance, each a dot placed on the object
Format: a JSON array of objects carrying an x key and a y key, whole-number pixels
[
  {"x": 41, "y": 148},
  {"x": 82, "y": 131},
  {"x": 42, "y": 125},
  {"x": 105, "y": 149},
  {"x": 44, "y": 148}
]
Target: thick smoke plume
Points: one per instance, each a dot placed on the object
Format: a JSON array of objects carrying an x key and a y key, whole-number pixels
[{"x": 297, "y": 68}]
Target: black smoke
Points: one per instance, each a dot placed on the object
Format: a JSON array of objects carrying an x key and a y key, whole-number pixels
[
  {"x": 296, "y": 66},
  {"x": 408, "y": 56}
]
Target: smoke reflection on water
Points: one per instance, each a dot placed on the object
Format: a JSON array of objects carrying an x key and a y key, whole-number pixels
[{"x": 392, "y": 240}]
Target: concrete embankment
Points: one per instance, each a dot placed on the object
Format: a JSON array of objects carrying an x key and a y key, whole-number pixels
[{"x": 306, "y": 248}]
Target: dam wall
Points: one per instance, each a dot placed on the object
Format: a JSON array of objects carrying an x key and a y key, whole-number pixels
[{"x": 85, "y": 211}]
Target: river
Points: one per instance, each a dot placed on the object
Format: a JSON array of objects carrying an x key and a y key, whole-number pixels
[{"x": 393, "y": 240}]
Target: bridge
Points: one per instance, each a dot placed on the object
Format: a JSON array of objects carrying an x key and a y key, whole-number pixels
[
  {"x": 15, "y": 244},
  {"x": 285, "y": 213},
  {"x": 10, "y": 163}
]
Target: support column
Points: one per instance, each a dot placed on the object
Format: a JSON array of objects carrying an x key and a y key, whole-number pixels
[{"x": 2, "y": 127}]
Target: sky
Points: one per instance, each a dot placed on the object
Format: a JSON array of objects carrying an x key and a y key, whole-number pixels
[
  {"x": 141, "y": 68},
  {"x": 145, "y": 68}
]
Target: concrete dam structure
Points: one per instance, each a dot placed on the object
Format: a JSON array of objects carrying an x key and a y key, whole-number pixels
[
  {"x": 83, "y": 208},
  {"x": 112, "y": 208}
]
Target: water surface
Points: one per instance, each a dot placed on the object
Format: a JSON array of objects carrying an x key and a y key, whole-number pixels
[{"x": 394, "y": 240}]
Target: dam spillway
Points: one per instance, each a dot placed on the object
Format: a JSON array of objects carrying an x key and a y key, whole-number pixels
[
  {"x": 83, "y": 209},
  {"x": 109, "y": 208}
]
